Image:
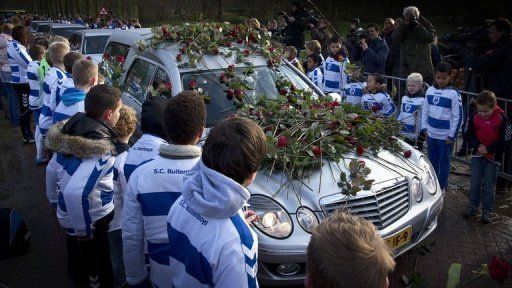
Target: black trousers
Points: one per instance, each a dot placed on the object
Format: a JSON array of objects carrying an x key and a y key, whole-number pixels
[
  {"x": 22, "y": 92},
  {"x": 89, "y": 260}
]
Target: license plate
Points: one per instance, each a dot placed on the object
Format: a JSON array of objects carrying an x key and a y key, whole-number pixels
[{"x": 399, "y": 239}]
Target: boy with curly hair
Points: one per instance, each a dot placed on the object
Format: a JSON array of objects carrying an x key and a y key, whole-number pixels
[{"x": 153, "y": 188}]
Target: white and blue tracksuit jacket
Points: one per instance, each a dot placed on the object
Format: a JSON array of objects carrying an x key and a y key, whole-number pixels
[
  {"x": 119, "y": 188},
  {"x": 19, "y": 60},
  {"x": 442, "y": 113},
  {"x": 62, "y": 85},
  {"x": 80, "y": 179},
  {"x": 51, "y": 83},
  {"x": 353, "y": 92},
  {"x": 211, "y": 245},
  {"x": 410, "y": 116},
  {"x": 334, "y": 75},
  {"x": 381, "y": 100},
  {"x": 316, "y": 77},
  {"x": 35, "y": 98},
  {"x": 144, "y": 149},
  {"x": 152, "y": 189},
  {"x": 72, "y": 102}
]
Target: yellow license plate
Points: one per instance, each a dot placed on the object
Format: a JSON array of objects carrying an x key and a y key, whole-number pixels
[{"x": 399, "y": 239}]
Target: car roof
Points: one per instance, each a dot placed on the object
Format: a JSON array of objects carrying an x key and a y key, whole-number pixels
[
  {"x": 130, "y": 36},
  {"x": 55, "y": 25},
  {"x": 169, "y": 50},
  {"x": 89, "y": 32}
]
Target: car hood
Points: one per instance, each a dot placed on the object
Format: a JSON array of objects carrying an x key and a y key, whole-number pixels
[{"x": 385, "y": 166}]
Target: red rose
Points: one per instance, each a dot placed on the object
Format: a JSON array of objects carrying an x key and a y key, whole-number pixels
[
  {"x": 351, "y": 140},
  {"x": 317, "y": 151},
  {"x": 231, "y": 68},
  {"x": 361, "y": 163},
  {"x": 270, "y": 62},
  {"x": 229, "y": 94},
  {"x": 179, "y": 57},
  {"x": 240, "y": 41},
  {"x": 499, "y": 269},
  {"x": 192, "y": 85},
  {"x": 88, "y": 58},
  {"x": 376, "y": 108},
  {"x": 183, "y": 50},
  {"x": 215, "y": 51},
  {"x": 168, "y": 86},
  {"x": 282, "y": 142},
  {"x": 283, "y": 92},
  {"x": 120, "y": 58},
  {"x": 271, "y": 49},
  {"x": 238, "y": 93},
  {"x": 269, "y": 128},
  {"x": 252, "y": 38},
  {"x": 407, "y": 153},
  {"x": 360, "y": 149},
  {"x": 247, "y": 52},
  {"x": 223, "y": 78},
  {"x": 228, "y": 44},
  {"x": 106, "y": 55},
  {"x": 234, "y": 33}
]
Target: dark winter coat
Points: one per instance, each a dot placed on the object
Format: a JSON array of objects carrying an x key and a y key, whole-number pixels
[
  {"x": 374, "y": 58},
  {"x": 415, "y": 41}
]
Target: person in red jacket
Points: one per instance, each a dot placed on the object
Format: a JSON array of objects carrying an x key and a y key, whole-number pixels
[{"x": 489, "y": 132}]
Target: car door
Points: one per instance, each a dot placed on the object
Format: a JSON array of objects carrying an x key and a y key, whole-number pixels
[{"x": 138, "y": 79}]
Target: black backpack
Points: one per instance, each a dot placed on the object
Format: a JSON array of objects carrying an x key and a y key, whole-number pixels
[{"x": 14, "y": 234}]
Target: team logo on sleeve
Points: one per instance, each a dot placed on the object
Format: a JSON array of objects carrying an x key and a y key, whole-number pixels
[
  {"x": 352, "y": 91},
  {"x": 408, "y": 107},
  {"x": 436, "y": 99}
]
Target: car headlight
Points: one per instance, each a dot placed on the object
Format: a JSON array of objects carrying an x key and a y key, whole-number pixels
[
  {"x": 416, "y": 190},
  {"x": 274, "y": 220},
  {"x": 428, "y": 176},
  {"x": 307, "y": 219}
]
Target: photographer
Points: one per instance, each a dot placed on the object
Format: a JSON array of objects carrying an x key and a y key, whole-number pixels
[
  {"x": 415, "y": 35},
  {"x": 352, "y": 39},
  {"x": 371, "y": 50},
  {"x": 297, "y": 22}
]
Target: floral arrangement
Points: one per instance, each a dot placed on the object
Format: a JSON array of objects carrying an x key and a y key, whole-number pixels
[
  {"x": 164, "y": 89},
  {"x": 112, "y": 67},
  {"x": 216, "y": 38},
  {"x": 302, "y": 131}
]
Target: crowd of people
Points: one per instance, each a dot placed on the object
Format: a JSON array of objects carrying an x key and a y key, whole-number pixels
[{"x": 167, "y": 213}]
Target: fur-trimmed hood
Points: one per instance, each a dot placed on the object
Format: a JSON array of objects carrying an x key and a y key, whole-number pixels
[{"x": 82, "y": 140}]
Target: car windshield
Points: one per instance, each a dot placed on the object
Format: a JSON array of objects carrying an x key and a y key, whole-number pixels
[
  {"x": 43, "y": 28},
  {"x": 261, "y": 81},
  {"x": 95, "y": 44}
]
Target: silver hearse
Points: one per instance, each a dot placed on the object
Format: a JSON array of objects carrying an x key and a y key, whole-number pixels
[
  {"x": 90, "y": 42},
  {"x": 403, "y": 203}
]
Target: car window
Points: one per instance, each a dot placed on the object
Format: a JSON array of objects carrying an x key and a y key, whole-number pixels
[
  {"x": 43, "y": 28},
  {"x": 75, "y": 41},
  {"x": 95, "y": 44},
  {"x": 261, "y": 81},
  {"x": 138, "y": 79},
  {"x": 65, "y": 31},
  {"x": 161, "y": 80},
  {"x": 116, "y": 49}
]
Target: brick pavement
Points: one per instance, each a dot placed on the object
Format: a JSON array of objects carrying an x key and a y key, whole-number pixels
[{"x": 22, "y": 187}]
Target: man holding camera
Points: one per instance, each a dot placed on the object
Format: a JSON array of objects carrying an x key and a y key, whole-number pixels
[
  {"x": 371, "y": 50},
  {"x": 297, "y": 23},
  {"x": 415, "y": 35}
]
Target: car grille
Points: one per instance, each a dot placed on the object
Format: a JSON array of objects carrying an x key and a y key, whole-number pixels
[{"x": 383, "y": 208}]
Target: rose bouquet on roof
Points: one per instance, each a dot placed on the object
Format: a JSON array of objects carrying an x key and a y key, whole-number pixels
[{"x": 112, "y": 67}]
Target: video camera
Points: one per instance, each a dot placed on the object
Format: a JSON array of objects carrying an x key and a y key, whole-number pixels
[{"x": 361, "y": 34}]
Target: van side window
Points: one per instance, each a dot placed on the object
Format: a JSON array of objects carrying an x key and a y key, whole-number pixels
[
  {"x": 138, "y": 79},
  {"x": 162, "y": 83},
  {"x": 75, "y": 42}
]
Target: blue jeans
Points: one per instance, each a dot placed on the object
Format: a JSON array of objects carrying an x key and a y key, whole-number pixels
[
  {"x": 12, "y": 99},
  {"x": 116, "y": 256},
  {"x": 439, "y": 154},
  {"x": 484, "y": 174}
]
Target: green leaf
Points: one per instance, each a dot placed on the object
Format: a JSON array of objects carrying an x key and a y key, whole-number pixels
[
  {"x": 353, "y": 166},
  {"x": 343, "y": 177},
  {"x": 367, "y": 184},
  {"x": 453, "y": 275}
]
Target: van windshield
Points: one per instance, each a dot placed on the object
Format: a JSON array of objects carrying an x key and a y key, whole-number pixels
[
  {"x": 95, "y": 44},
  {"x": 262, "y": 81}
]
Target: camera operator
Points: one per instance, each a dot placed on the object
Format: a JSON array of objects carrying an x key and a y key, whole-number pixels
[
  {"x": 352, "y": 39},
  {"x": 415, "y": 35},
  {"x": 371, "y": 50},
  {"x": 297, "y": 23}
]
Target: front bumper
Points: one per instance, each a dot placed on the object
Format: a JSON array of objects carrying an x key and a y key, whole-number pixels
[{"x": 422, "y": 217}]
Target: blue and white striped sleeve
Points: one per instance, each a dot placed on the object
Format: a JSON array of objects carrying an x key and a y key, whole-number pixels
[
  {"x": 456, "y": 120},
  {"x": 132, "y": 226},
  {"x": 389, "y": 106},
  {"x": 24, "y": 55}
]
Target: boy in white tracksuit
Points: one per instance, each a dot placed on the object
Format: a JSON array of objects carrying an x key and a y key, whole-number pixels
[
  {"x": 353, "y": 90},
  {"x": 440, "y": 120},
  {"x": 84, "y": 162},
  {"x": 334, "y": 68},
  {"x": 56, "y": 73},
  {"x": 146, "y": 147},
  {"x": 84, "y": 76},
  {"x": 410, "y": 111},
  {"x": 154, "y": 186},
  {"x": 211, "y": 245},
  {"x": 68, "y": 81},
  {"x": 376, "y": 100}
]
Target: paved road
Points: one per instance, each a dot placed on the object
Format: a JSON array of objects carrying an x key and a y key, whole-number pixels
[{"x": 22, "y": 187}]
